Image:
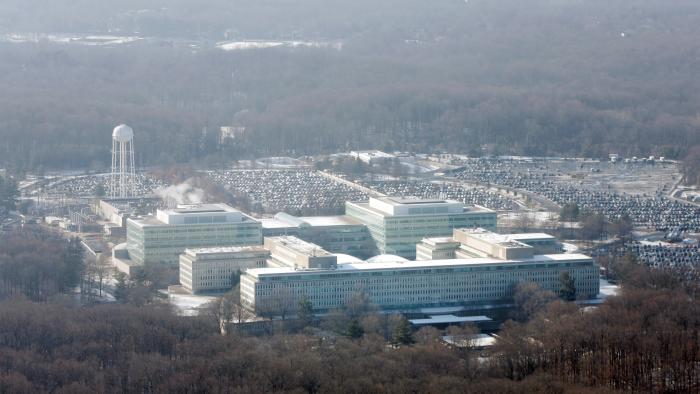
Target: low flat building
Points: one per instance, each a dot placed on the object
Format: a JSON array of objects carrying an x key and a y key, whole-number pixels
[
  {"x": 483, "y": 243},
  {"x": 122, "y": 260},
  {"x": 541, "y": 242},
  {"x": 161, "y": 238},
  {"x": 336, "y": 234},
  {"x": 438, "y": 248},
  {"x": 410, "y": 285},
  {"x": 294, "y": 253},
  {"x": 398, "y": 224},
  {"x": 444, "y": 321},
  {"x": 212, "y": 269},
  {"x": 118, "y": 210},
  {"x": 373, "y": 156},
  {"x": 468, "y": 243}
]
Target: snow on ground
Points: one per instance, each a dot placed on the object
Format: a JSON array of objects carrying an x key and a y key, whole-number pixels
[
  {"x": 92, "y": 40},
  {"x": 569, "y": 248},
  {"x": 261, "y": 44},
  {"x": 189, "y": 305},
  {"x": 536, "y": 216},
  {"x": 106, "y": 297},
  {"x": 608, "y": 289},
  {"x": 280, "y": 162},
  {"x": 413, "y": 168},
  {"x": 655, "y": 243}
]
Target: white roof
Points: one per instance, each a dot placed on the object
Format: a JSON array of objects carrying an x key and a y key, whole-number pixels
[
  {"x": 448, "y": 319},
  {"x": 274, "y": 223},
  {"x": 283, "y": 220},
  {"x": 386, "y": 258},
  {"x": 298, "y": 245},
  {"x": 439, "y": 240},
  {"x": 450, "y": 263},
  {"x": 226, "y": 249},
  {"x": 343, "y": 258},
  {"x": 322, "y": 221},
  {"x": 530, "y": 236},
  {"x": 477, "y": 340}
]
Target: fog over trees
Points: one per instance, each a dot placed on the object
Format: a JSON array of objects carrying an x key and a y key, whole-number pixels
[{"x": 528, "y": 77}]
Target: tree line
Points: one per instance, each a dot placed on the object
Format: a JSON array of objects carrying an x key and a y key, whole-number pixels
[
  {"x": 38, "y": 265},
  {"x": 513, "y": 77},
  {"x": 645, "y": 339}
]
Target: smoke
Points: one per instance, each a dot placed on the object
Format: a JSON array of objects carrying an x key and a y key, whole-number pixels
[{"x": 184, "y": 193}]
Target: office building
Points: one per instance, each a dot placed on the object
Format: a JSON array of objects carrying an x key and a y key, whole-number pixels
[
  {"x": 336, "y": 234},
  {"x": 161, "y": 238},
  {"x": 437, "y": 248},
  {"x": 294, "y": 253},
  {"x": 468, "y": 243},
  {"x": 212, "y": 269},
  {"x": 406, "y": 285},
  {"x": 397, "y": 224}
]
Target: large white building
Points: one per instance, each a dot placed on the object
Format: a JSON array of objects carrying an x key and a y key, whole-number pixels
[
  {"x": 212, "y": 269},
  {"x": 469, "y": 242},
  {"x": 417, "y": 284},
  {"x": 161, "y": 238},
  {"x": 398, "y": 224}
]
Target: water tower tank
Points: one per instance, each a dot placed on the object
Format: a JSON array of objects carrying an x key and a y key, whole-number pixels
[{"x": 122, "y": 133}]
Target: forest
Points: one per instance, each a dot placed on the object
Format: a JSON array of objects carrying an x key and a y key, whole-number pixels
[
  {"x": 534, "y": 77},
  {"x": 644, "y": 340}
]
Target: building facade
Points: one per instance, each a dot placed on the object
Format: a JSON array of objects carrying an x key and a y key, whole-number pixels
[
  {"x": 478, "y": 242},
  {"x": 160, "y": 239},
  {"x": 417, "y": 284},
  {"x": 212, "y": 269},
  {"x": 481, "y": 268},
  {"x": 396, "y": 225},
  {"x": 336, "y": 234},
  {"x": 294, "y": 253}
]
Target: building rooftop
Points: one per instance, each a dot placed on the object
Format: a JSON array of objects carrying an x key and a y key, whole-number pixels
[
  {"x": 202, "y": 208},
  {"x": 299, "y": 246},
  {"x": 396, "y": 206},
  {"x": 450, "y": 263},
  {"x": 439, "y": 240},
  {"x": 343, "y": 258},
  {"x": 450, "y": 319},
  {"x": 225, "y": 249},
  {"x": 530, "y": 236},
  {"x": 284, "y": 220},
  {"x": 503, "y": 240},
  {"x": 327, "y": 221},
  {"x": 274, "y": 223},
  {"x": 194, "y": 214},
  {"x": 478, "y": 340},
  {"x": 387, "y": 258},
  {"x": 412, "y": 200}
]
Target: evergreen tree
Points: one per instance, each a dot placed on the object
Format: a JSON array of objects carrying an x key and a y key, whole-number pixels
[
  {"x": 354, "y": 330},
  {"x": 74, "y": 263},
  {"x": 569, "y": 212},
  {"x": 567, "y": 290},
  {"x": 306, "y": 311},
  {"x": 121, "y": 288},
  {"x": 8, "y": 194},
  {"x": 402, "y": 333}
]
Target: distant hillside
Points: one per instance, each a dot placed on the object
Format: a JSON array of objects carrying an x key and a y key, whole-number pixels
[{"x": 526, "y": 77}]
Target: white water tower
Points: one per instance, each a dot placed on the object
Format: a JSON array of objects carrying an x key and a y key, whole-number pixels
[{"x": 123, "y": 178}]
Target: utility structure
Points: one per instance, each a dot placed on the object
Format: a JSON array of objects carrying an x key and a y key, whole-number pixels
[{"x": 123, "y": 177}]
